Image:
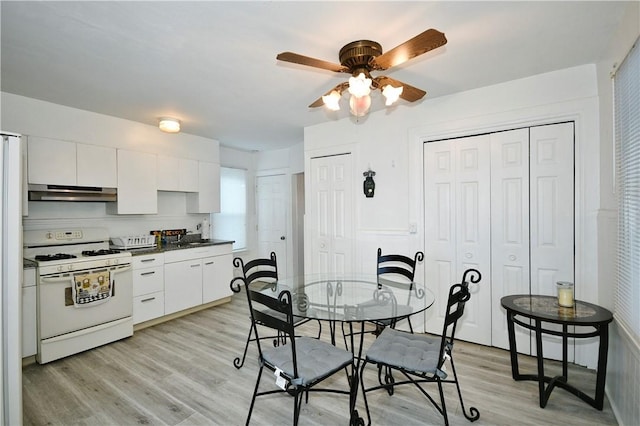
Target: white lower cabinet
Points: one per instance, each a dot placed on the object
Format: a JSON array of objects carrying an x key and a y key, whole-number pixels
[
  {"x": 29, "y": 333},
  {"x": 196, "y": 276},
  {"x": 148, "y": 287},
  {"x": 184, "y": 285},
  {"x": 216, "y": 276},
  {"x": 170, "y": 282}
]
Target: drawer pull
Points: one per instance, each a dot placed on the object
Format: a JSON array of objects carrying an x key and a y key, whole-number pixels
[
  {"x": 209, "y": 263},
  {"x": 148, "y": 300},
  {"x": 148, "y": 260},
  {"x": 197, "y": 265},
  {"x": 148, "y": 273}
]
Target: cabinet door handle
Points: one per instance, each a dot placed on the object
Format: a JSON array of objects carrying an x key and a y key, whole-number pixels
[
  {"x": 197, "y": 265},
  {"x": 148, "y": 273},
  {"x": 148, "y": 300},
  {"x": 209, "y": 263},
  {"x": 147, "y": 260}
]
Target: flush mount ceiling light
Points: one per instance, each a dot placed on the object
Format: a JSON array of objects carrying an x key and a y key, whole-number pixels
[
  {"x": 169, "y": 125},
  {"x": 360, "y": 58}
]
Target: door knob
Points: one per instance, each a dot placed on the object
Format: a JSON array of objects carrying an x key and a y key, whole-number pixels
[{"x": 282, "y": 238}]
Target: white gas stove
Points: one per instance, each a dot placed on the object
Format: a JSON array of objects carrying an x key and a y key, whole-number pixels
[{"x": 84, "y": 290}]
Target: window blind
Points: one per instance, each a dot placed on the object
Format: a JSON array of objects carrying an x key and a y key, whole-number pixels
[
  {"x": 627, "y": 139},
  {"x": 231, "y": 222}
]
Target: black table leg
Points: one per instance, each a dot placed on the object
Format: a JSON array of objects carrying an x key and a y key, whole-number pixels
[
  {"x": 512, "y": 346},
  {"x": 602, "y": 366},
  {"x": 540, "y": 359}
]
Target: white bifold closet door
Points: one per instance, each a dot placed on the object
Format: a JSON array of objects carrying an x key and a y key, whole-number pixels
[
  {"x": 511, "y": 218},
  {"x": 457, "y": 230}
]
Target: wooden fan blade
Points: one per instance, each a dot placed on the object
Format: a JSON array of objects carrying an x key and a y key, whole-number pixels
[
  {"x": 311, "y": 62},
  {"x": 422, "y": 43},
  {"x": 409, "y": 93},
  {"x": 339, "y": 88}
]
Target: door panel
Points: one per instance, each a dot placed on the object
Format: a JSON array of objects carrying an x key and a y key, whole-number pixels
[
  {"x": 457, "y": 229},
  {"x": 509, "y": 229},
  {"x": 552, "y": 203},
  {"x": 473, "y": 236},
  {"x": 272, "y": 201},
  {"x": 331, "y": 195}
]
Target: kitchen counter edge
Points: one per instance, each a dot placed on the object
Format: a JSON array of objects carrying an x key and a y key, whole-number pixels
[{"x": 172, "y": 247}]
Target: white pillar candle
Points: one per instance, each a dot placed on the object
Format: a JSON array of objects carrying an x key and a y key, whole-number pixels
[{"x": 565, "y": 294}]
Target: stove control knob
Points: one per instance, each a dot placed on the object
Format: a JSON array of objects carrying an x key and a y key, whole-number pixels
[
  {"x": 60, "y": 268},
  {"x": 116, "y": 261},
  {"x": 108, "y": 262},
  {"x": 70, "y": 267}
]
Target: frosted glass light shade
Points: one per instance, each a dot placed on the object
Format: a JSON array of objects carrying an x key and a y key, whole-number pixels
[
  {"x": 391, "y": 94},
  {"x": 360, "y": 105},
  {"x": 169, "y": 125},
  {"x": 331, "y": 101},
  {"x": 360, "y": 86}
]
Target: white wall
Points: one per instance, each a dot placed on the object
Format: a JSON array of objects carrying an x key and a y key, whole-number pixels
[
  {"x": 32, "y": 117},
  {"x": 391, "y": 144}
]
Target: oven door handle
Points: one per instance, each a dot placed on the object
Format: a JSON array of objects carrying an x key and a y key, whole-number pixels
[
  {"x": 122, "y": 268},
  {"x": 56, "y": 279}
]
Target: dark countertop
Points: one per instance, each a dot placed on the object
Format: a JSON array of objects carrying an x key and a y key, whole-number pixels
[
  {"x": 26, "y": 264},
  {"x": 178, "y": 246}
]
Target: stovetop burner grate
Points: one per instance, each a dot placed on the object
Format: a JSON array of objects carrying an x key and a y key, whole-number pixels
[
  {"x": 58, "y": 256},
  {"x": 101, "y": 252}
]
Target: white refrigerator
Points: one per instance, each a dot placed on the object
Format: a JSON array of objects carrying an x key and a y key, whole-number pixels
[{"x": 11, "y": 273}]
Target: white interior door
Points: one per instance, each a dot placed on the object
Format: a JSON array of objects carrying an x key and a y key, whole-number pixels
[
  {"x": 330, "y": 224},
  {"x": 457, "y": 226},
  {"x": 271, "y": 202},
  {"x": 509, "y": 229},
  {"x": 552, "y": 215}
]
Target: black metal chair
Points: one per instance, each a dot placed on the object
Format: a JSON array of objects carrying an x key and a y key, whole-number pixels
[
  {"x": 421, "y": 358},
  {"x": 264, "y": 270},
  {"x": 394, "y": 270},
  {"x": 302, "y": 362}
]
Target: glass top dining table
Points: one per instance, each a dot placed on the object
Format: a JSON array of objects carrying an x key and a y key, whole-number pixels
[{"x": 352, "y": 297}]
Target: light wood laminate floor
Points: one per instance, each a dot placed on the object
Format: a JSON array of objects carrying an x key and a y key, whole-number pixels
[{"x": 181, "y": 373}]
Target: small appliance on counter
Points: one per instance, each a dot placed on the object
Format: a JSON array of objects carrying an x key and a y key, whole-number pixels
[
  {"x": 205, "y": 229},
  {"x": 133, "y": 242}
]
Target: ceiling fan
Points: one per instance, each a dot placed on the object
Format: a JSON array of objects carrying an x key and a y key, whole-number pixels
[{"x": 360, "y": 58}]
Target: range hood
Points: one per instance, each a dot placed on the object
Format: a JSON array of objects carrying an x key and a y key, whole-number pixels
[{"x": 71, "y": 193}]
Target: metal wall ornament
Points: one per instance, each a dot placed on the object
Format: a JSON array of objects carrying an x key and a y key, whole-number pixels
[{"x": 369, "y": 186}]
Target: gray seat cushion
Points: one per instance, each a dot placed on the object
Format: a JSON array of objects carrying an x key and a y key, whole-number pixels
[
  {"x": 412, "y": 352},
  {"x": 316, "y": 359}
]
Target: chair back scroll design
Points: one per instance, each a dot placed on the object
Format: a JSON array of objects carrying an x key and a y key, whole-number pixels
[
  {"x": 254, "y": 270},
  {"x": 398, "y": 270},
  {"x": 261, "y": 315},
  {"x": 458, "y": 296},
  {"x": 264, "y": 270},
  {"x": 398, "y": 264}
]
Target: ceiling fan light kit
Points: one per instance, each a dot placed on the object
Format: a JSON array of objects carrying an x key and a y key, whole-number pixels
[{"x": 361, "y": 57}]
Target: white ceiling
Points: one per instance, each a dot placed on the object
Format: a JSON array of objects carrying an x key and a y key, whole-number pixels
[{"x": 213, "y": 64}]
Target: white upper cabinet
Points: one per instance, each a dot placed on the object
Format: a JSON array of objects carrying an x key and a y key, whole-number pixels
[
  {"x": 57, "y": 162},
  {"x": 137, "y": 186},
  {"x": 177, "y": 174},
  {"x": 207, "y": 199},
  {"x": 51, "y": 161},
  {"x": 96, "y": 166}
]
